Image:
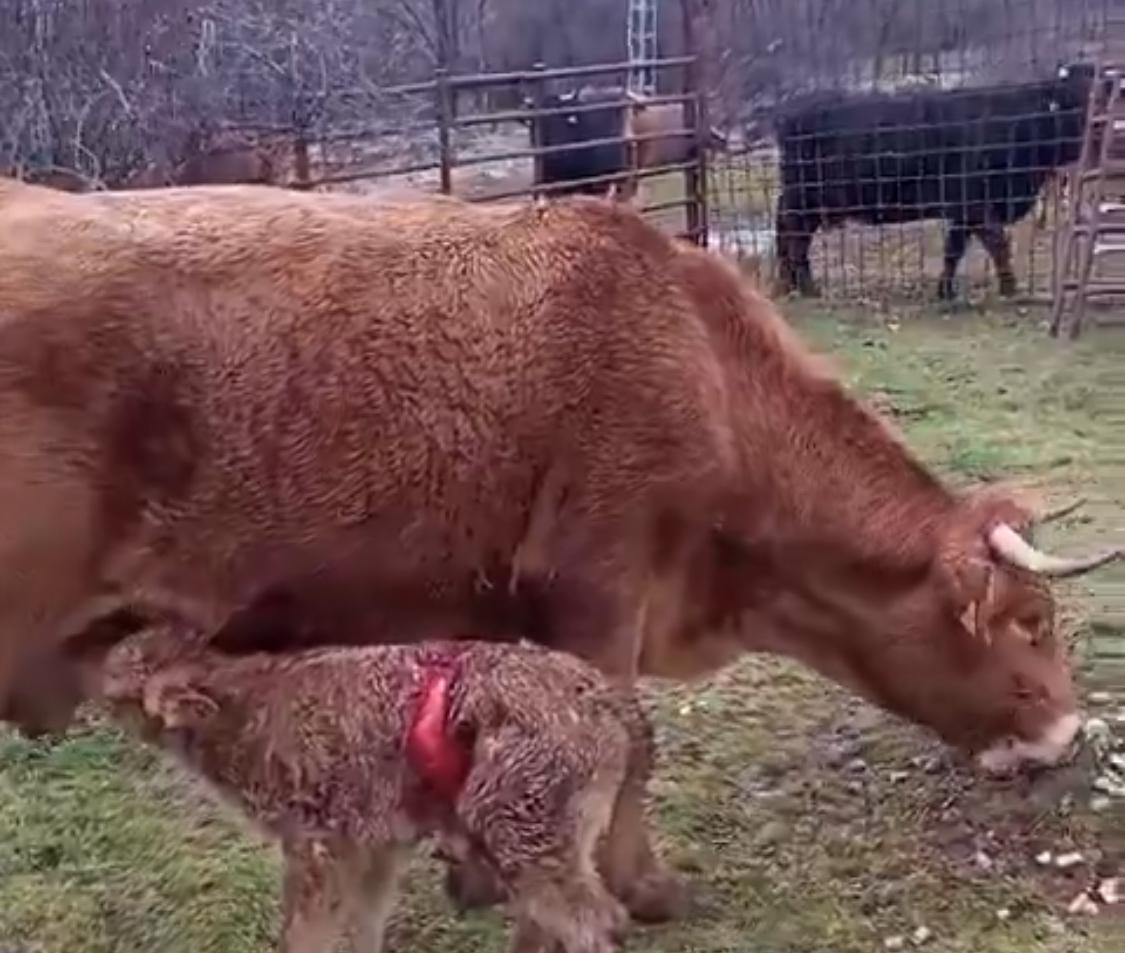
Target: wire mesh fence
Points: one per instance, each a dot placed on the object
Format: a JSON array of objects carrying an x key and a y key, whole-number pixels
[{"x": 922, "y": 155}]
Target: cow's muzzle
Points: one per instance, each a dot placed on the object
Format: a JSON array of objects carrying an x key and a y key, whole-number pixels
[{"x": 1057, "y": 744}]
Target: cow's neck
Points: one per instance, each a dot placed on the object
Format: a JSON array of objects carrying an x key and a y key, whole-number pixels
[
  {"x": 824, "y": 479},
  {"x": 836, "y": 524}
]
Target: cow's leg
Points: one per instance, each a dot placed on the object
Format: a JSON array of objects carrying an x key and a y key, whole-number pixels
[
  {"x": 794, "y": 235},
  {"x": 49, "y": 544},
  {"x": 632, "y": 870},
  {"x": 956, "y": 239},
  {"x": 786, "y": 277},
  {"x": 628, "y": 862},
  {"x": 995, "y": 241}
]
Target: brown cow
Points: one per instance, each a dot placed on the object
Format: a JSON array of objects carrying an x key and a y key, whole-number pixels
[
  {"x": 647, "y": 121},
  {"x": 53, "y": 177},
  {"x": 315, "y": 417},
  {"x": 222, "y": 162},
  {"x": 543, "y": 748}
]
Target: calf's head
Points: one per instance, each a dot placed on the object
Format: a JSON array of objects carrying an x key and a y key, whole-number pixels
[{"x": 149, "y": 677}]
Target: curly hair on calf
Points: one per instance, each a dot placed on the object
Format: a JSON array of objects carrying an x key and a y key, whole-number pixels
[{"x": 513, "y": 757}]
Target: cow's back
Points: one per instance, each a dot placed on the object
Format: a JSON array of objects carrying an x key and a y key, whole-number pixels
[
  {"x": 881, "y": 157},
  {"x": 272, "y": 384}
]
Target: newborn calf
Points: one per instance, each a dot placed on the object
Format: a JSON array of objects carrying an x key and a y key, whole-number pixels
[{"x": 512, "y": 756}]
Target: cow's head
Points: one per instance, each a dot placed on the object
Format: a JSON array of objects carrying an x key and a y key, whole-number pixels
[
  {"x": 965, "y": 643},
  {"x": 1001, "y": 684},
  {"x": 562, "y": 125},
  {"x": 1072, "y": 88},
  {"x": 553, "y": 101}
]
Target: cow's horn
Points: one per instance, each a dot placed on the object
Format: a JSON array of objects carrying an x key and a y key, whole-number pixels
[{"x": 1014, "y": 549}]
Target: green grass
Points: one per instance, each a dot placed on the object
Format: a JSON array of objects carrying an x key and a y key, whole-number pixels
[{"x": 104, "y": 849}]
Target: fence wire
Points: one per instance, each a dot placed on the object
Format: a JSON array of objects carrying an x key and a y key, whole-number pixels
[{"x": 872, "y": 161}]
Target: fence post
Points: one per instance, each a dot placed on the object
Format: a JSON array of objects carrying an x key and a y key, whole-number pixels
[
  {"x": 537, "y": 94},
  {"x": 695, "y": 117},
  {"x": 444, "y": 92},
  {"x": 301, "y": 159}
]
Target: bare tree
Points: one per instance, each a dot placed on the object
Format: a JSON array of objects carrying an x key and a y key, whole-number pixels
[{"x": 104, "y": 87}]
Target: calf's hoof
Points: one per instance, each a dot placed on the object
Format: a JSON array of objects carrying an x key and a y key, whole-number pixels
[
  {"x": 657, "y": 897},
  {"x": 471, "y": 887}
]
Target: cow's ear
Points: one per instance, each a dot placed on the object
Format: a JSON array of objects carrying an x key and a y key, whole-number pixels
[
  {"x": 978, "y": 598},
  {"x": 968, "y": 575},
  {"x": 965, "y": 563}
]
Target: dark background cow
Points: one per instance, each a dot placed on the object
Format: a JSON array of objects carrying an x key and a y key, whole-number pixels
[
  {"x": 582, "y": 126},
  {"x": 649, "y": 135},
  {"x": 976, "y": 158}
]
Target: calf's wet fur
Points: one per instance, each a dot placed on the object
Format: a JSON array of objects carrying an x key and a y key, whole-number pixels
[{"x": 512, "y": 757}]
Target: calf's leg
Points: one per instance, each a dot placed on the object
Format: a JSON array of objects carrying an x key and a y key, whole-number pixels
[
  {"x": 318, "y": 897},
  {"x": 378, "y": 882},
  {"x": 537, "y": 808},
  {"x": 588, "y": 619}
]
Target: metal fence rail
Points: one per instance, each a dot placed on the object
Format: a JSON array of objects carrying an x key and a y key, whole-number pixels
[
  {"x": 863, "y": 226},
  {"x": 450, "y": 112}
]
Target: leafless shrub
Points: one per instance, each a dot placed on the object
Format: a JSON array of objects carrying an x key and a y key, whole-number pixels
[{"x": 106, "y": 87}]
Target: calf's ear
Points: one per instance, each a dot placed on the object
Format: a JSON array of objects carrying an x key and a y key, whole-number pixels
[{"x": 179, "y": 705}]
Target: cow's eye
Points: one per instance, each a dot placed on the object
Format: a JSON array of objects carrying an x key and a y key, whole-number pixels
[{"x": 1032, "y": 628}]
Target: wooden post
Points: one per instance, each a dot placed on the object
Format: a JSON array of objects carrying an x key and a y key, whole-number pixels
[
  {"x": 301, "y": 159},
  {"x": 444, "y": 92},
  {"x": 537, "y": 96}
]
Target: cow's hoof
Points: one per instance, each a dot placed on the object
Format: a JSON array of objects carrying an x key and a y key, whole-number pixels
[{"x": 658, "y": 897}]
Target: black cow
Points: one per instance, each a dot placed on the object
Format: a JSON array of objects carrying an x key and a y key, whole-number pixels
[
  {"x": 580, "y": 127},
  {"x": 976, "y": 158},
  {"x": 659, "y": 140}
]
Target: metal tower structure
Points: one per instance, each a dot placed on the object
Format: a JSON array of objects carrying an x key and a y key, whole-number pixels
[{"x": 641, "y": 37}]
